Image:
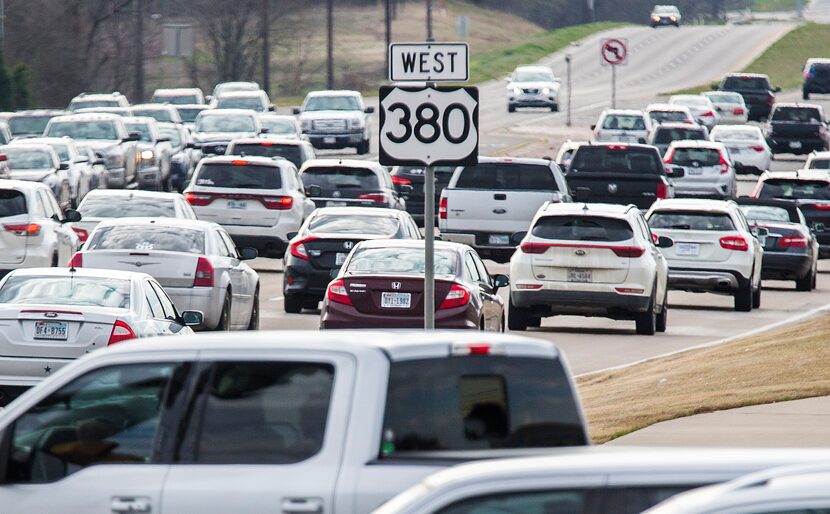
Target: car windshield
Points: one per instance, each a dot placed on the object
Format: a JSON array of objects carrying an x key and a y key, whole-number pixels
[
  {"x": 123, "y": 206},
  {"x": 157, "y": 114},
  {"x": 664, "y": 135},
  {"x": 238, "y": 176},
  {"x": 797, "y": 114},
  {"x": 188, "y": 114},
  {"x": 332, "y": 103},
  {"x": 624, "y": 122},
  {"x": 695, "y": 156},
  {"x": 722, "y": 133},
  {"x": 582, "y": 228},
  {"x": 508, "y": 176},
  {"x": 61, "y": 150},
  {"x": 665, "y": 9},
  {"x": 661, "y": 116},
  {"x": 227, "y": 123},
  {"x": 340, "y": 178},
  {"x": 765, "y": 213},
  {"x": 175, "y": 99},
  {"x": 532, "y": 76},
  {"x": 353, "y": 224},
  {"x": 253, "y": 103},
  {"x": 400, "y": 260},
  {"x": 173, "y": 134},
  {"x": 279, "y": 126},
  {"x": 795, "y": 189},
  {"x": 67, "y": 290},
  {"x": 84, "y": 130},
  {"x": 86, "y": 104},
  {"x": 141, "y": 128},
  {"x": 745, "y": 82},
  {"x": 146, "y": 238},
  {"x": 28, "y": 159},
  {"x": 268, "y": 149},
  {"x": 616, "y": 158},
  {"x": 12, "y": 203},
  {"x": 691, "y": 220},
  {"x": 819, "y": 164},
  {"x": 20, "y": 125}
]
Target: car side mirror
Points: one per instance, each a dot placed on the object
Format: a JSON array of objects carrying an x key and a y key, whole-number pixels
[
  {"x": 248, "y": 254},
  {"x": 593, "y": 127},
  {"x": 313, "y": 191},
  {"x": 777, "y": 89},
  {"x": 192, "y": 318},
  {"x": 500, "y": 281},
  {"x": 295, "y": 110},
  {"x": 369, "y": 110},
  {"x": 71, "y": 216},
  {"x": 760, "y": 232},
  {"x": 132, "y": 136},
  {"x": 208, "y": 98},
  {"x": 99, "y": 162},
  {"x": 664, "y": 242},
  {"x": 63, "y": 166},
  {"x": 714, "y": 86},
  {"x": 291, "y": 235},
  {"x": 272, "y": 107},
  {"x": 264, "y": 130},
  {"x": 405, "y": 189},
  {"x": 163, "y": 139}
]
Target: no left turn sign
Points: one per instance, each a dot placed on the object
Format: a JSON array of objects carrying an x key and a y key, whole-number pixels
[{"x": 614, "y": 51}]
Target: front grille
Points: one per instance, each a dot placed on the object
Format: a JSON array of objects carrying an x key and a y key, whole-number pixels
[
  {"x": 531, "y": 91},
  {"x": 329, "y": 125},
  {"x": 214, "y": 148}
]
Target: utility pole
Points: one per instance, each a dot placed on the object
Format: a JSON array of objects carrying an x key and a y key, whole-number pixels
[
  {"x": 266, "y": 49},
  {"x": 330, "y": 44},
  {"x": 429, "y": 21},
  {"x": 568, "y": 62},
  {"x": 138, "y": 95},
  {"x": 387, "y": 7}
]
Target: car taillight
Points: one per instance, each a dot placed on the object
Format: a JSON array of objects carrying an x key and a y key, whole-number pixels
[
  {"x": 723, "y": 164},
  {"x": 630, "y": 252},
  {"x": 298, "y": 250},
  {"x": 204, "y": 273},
  {"x": 401, "y": 181},
  {"x": 808, "y": 74},
  {"x": 669, "y": 157},
  {"x": 23, "y": 229},
  {"x": 822, "y": 206},
  {"x": 77, "y": 260},
  {"x": 707, "y": 114},
  {"x": 279, "y": 203},
  {"x": 377, "y": 198},
  {"x": 198, "y": 199},
  {"x": 662, "y": 190},
  {"x": 758, "y": 148},
  {"x": 738, "y": 110},
  {"x": 456, "y": 297},
  {"x": 793, "y": 242},
  {"x": 337, "y": 292},
  {"x": 442, "y": 208},
  {"x": 120, "y": 332},
  {"x": 770, "y": 98},
  {"x": 83, "y": 235},
  {"x": 737, "y": 243},
  {"x": 618, "y": 147},
  {"x": 534, "y": 248}
]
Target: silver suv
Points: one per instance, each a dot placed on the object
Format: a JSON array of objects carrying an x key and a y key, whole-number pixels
[
  {"x": 336, "y": 119},
  {"x": 532, "y": 86},
  {"x": 92, "y": 100}
]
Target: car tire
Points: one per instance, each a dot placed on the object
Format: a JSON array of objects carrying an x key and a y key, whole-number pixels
[
  {"x": 311, "y": 304},
  {"x": 55, "y": 262},
  {"x": 554, "y": 108},
  {"x": 756, "y": 298},
  {"x": 501, "y": 324},
  {"x": 534, "y": 321},
  {"x": 293, "y": 304},
  {"x": 663, "y": 317},
  {"x": 224, "y": 324},
  {"x": 646, "y": 322},
  {"x": 253, "y": 321},
  {"x": 516, "y": 318},
  {"x": 743, "y": 298},
  {"x": 806, "y": 283},
  {"x": 814, "y": 282},
  {"x": 511, "y": 108},
  {"x": 363, "y": 147}
]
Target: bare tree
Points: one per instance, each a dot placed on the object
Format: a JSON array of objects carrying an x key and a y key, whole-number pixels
[{"x": 232, "y": 35}]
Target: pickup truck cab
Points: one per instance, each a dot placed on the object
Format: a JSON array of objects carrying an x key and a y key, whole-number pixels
[
  {"x": 336, "y": 119},
  {"x": 291, "y": 422},
  {"x": 758, "y": 94},
  {"x": 797, "y": 128},
  {"x": 619, "y": 173},
  {"x": 489, "y": 206}
]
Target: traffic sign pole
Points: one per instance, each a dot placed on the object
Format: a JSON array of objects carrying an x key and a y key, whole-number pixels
[
  {"x": 613, "y": 87},
  {"x": 429, "y": 248}
]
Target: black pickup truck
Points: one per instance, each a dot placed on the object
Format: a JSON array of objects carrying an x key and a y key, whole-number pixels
[
  {"x": 796, "y": 128},
  {"x": 758, "y": 94},
  {"x": 619, "y": 173}
]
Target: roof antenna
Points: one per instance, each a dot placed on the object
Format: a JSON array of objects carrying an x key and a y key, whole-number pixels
[{"x": 584, "y": 207}]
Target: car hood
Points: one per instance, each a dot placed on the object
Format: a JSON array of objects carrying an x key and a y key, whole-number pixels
[
  {"x": 332, "y": 115},
  {"x": 207, "y": 137},
  {"x": 534, "y": 85},
  {"x": 101, "y": 146},
  {"x": 35, "y": 175}
]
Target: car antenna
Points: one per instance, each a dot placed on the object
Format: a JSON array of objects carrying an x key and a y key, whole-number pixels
[{"x": 584, "y": 208}]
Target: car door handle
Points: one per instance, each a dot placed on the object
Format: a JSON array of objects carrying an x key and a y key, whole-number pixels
[
  {"x": 120, "y": 505},
  {"x": 499, "y": 211},
  {"x": 302, "y": 505}
]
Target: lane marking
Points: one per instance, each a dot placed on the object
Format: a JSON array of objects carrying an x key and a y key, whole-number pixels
[{"x": 276, "y": 299}]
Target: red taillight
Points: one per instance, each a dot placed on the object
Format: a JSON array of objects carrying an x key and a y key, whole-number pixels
[
  {"x": 83, "y": 235},
  {"x": 204, "y": 273},
  {"x": 198, "y": 199},
  {"x": 629, "y": 290},
  {"x": 628, "y": 251},
  {"x": 707, "y": 114},
  {"x": 655, "y": 238},
  {"x": 770, "y": 98},
  {"x": 738, "y": 110},
  {"x": 239, "y": 162},
  {"x": 662, "y": 190},
  {"x": 758, "y": 148},
  {"x": 266, "y": 143},
  {"x": 377, "y": 198},
  {"x": 401, "y": 181},
  {"x": 737, "y": 243},
  {"x": 23, "y": 229},
  {"x": 478, "y": 349},
  {"x": 534, "y": 248},
  {"x": 298, "y": 250},
  {"x": 822, "y": 206},
  {"x": 723, "y": 164},
  {"x": 442, "y": 208},
  {"x": 807, "y": 74},
  {"x": 528, "y": 286},
  {"x": 337, "y": 292},
  {"x": 456, "y": 297},
  {"x": 793, "y": 242},
  {"x": 120, "y": 332},
  {"x": 77, "y": 260},
  {"x": 618, "y": 147},
  {"x": 279, "y": 203}
]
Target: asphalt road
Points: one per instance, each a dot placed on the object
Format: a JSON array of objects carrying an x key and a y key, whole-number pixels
[{"x": 661, "y": 60}]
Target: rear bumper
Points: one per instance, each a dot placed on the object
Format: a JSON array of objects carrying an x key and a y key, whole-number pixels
[
  {"x": 305, "y": 281},
  {"x": 208, "y": 300},
  {"x": 336, "y": 315},
  {"x": 609, "y": 304},
  {"x": 702, "y": 189},
  {"x": 725, "y": 281},
  {"x": 782, "y": 145},
  {"x": 786, "y": 266},
  {"x": 27, "y": 371},
  {"x": 815, "y": 87},
  {"x": 269, "y": 241}
]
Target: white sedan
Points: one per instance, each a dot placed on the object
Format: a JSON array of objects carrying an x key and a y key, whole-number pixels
[
  {"x": 51, "y": 316},
  {"x": 746, "y": 145},
  {"x": 701, "y": 107},
  {"x": 196, "y": 262}
]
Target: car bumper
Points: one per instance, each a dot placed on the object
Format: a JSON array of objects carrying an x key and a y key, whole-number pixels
[
  {"x": 532, "y": 100},
  {"x": 149, "y": 177},
  {"x": 814, "y": 87},
  {"x": 305, "y": 281},
  {"x": 612, "y": 304},
  {"x": 804, "y": 146},
  {"x": 269, "y": 241},
  {"x": 116, "y": 177},
  {"x": 785, "y": 266},
  {"x": 702, "y": 190},
  {"x": 337, "y": 315},
  {"x": 339, "y": 140},
  {"x": 207, "y": 300},
  {"x": 725, "y": 281},
  {"x": 27, "y": 371}
]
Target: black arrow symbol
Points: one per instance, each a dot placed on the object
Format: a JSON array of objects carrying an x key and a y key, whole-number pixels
[{"x": 613, "y": 49}]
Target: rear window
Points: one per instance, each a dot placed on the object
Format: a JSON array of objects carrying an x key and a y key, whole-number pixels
[
  {"x": 725, "y": 98},
  {"x": 624, "y": 122},
  {"x": 175, "y": 100},
  {"x": 291, "y": 152},
  {"x": 147, "y": 238},
  {"x": 28, "y": 124},
  {"x": 582, "y": 228},
  {"x": 12, "y": 203},
  {"x": 797, "y": 114},
  {"x": 501, "y": 176},
  {"x": 103, "y": 206},
  {"x": 820, "y": 164},
  {"x": 664, "y": 136},
  {"x": 242, "y": 176},
  {"x": 89, "y": 291},
  {"x": 157, "y": 114},
  {"x": 795, "y": 189},
  {"x": 23, "y": 159},
  {"x": 692, "y": 156},
  {"x": 662, "y": 116},
  {"x": 691, "y": 220},
  {"x": 616, "y": 159},
  {"x": 740, "y": 82},
  {"x": 722, "y": 133},
  {"x": 188, "y": 115},
  {"x": 240, "y": 103},
  {"x": 400, "y": 260},
  {"x": 350, "y": 224},
  {"x": 340, "y": 178},
  {"x": 482, "y": 402}
]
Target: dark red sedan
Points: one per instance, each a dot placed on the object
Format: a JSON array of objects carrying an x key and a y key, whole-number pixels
[{"x": 381, "y": 285}]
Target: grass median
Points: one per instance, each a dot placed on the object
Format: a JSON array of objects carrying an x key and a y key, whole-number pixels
[{"x": 789, "y": 363}]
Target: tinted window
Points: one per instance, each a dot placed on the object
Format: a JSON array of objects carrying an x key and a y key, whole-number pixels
[
  {"x": 12, "y": 203},
  {"x": 176, "y": 100},
  {"x": 60, "y": 290},
  {"x": 84, "y": 130},
  {"x": 702, "y": 156},
  {"x": 279, "y": 125},
  {"x": 623, "y": 122},
  {"x": 228, "y": 123},
  {"x": 797, "y": 114},
  {"x": 351, "y": 224},
  {"x": 121, "y": 206},
  {"x": 618, "y": 158},
  {"x": 400, "y": 260},
  {"x": 24, "y": 159},
  {"x": 503, "y": 176},
  {"x": 820, "y": 164},
  {"x": 157, "y": 114},
  {"x": 264, "y": 412},
  {"x": 28, "y": 124},
  {"x": 340, "y": 178},
  {"x": 267, "y": 149},
  {"x": 87, "y": 104},
  {"x": 466, "y": 403},
  {"x": 147, "y": 238},
  {"x": 108, "y": 416},
  {"x": 662, "y": 116},
  {"x": 795, "y": 189},
  {"x": 188, "y": 115},
  {"x": 725, "y": 98},
  {"x": 241, "y": 103},
  {"x": 690, "y": 220},
  {"x": 664, "y": 136},
  {"x": 245, "y": 176},
  {"x": 739, "y": 82},
  {"x": 332, "y": 103},
  {"x": 141, "y": 128},
  {"x": 766, "y": 213},
  {"x": 721, "y": 133},
  {"x": 174, "y": 135},
  {"x": 583, "y": 228}
]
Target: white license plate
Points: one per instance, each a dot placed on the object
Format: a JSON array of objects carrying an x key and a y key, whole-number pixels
[
  {"x": 795, "y": 144},
  {"x": 734, "y": 150},
  {"x": 340, "y": 258},
  {"x": 395, "y": 300},
  {"x": 237, "y": 204},
  {"x": 335, "y": 204},
  {"x": 51, "y": 330},
  {"x": 580, "y": 275},
  {"x": 695, "y": 171},
  {"x": 687, "y": 249},
  {"x": 329, "y": 140},
  {"x": 499, "y": 239}
]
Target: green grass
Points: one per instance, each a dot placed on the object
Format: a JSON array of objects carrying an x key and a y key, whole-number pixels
[{"x": 775, "y": 5}]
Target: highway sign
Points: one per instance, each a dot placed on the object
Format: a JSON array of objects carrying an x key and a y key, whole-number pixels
[
  {"x": 428, "y": 62},
  {"x": 614, "y": 51},
  {"x": 428, "y": 126}
]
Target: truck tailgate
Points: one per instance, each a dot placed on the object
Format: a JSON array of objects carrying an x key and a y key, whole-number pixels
[
  {"x": 504, "y": 211},
  {"x": 639, "y": 189}
]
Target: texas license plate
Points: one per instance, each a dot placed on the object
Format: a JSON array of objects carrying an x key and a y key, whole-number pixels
[
  {"x": 795, "y": 144},
  {"x": 340, "y": 258},
  {"x": 395, "y": 300},
  {"x": 329, "y": 140},
  {"x": 50, "y": 330},
  {"x": 335, "y": 204},
  {"x": 580, "y": 275},
  {"x": 499, "y": 239},
  {"x": 695, "y": 171},
  {"x": 237, "y": 204},
  {"x": 687, "y": 249}
]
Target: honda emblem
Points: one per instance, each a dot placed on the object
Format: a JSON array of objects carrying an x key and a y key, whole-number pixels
[
  {"x": 336, "y": 194},
  {"x": 396, "y": 285},
  {"x": 612, "y": 188},
  {"x": 348, "y": 245}
]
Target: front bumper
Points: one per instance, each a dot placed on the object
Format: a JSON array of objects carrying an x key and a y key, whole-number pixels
[
  {"x": 580, "y": 303},
  {"x": 116, "y": 177},
  {"x": 527, "y": 100},
  {"x": 335, "y": 140},
  {"x": 208, "y": 300},
  {"x": 715, "y": 281},
  {"x": 149, "y": 177},
  {"x": 785, "y": 266},
  {"x": 338, "y": 315}
]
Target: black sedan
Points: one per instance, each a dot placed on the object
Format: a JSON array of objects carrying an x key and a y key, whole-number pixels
[
  {"x": 409, "y": 182},
  {"x": 790, "y": 246},
  {"x": 325, "y": 240}
]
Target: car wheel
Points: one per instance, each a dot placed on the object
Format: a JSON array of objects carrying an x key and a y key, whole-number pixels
[
  {"x": 743, "y": 298},
  {"x": 363, "y": 147},
  {"x": 756, "y": 298},
  {"x": 511, "y": 108},
  {"x": 646, "y": 322},
  {"x": 224, "y": 324},
  {"x": 55, "y": 263},
  {"x": 663, "y": 317},
  {"x": 554, "y": 108},
  {"x": 253, "y": 322},
  {"x": 292, "y": 304},
  {"x": 516, "y": 318},
  {"x": 481, "y": 325},
  {"x": 534, "y": 321},
  {"x": 501, "y": 324},
  {"x": 806, "y": 283}
]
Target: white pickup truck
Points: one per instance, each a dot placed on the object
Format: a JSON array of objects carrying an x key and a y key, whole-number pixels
[
  {"x": 490, "y": 206},
  {"x": 278, "y": 422}
]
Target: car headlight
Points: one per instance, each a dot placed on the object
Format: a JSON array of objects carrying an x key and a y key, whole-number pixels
[
  {"x": 517, "y": 90},
  {"x": 655, "y": 18},
  {"x": 357, "y": 123},
  {"x": 114, "y": 160},
  {"x": 545, "y": 90},
  {"x": 147, "y": 155},
  {"x": 306, "y": 125}
]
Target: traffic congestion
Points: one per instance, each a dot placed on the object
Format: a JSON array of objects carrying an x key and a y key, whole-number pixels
[{"x": 210, "y": 303}]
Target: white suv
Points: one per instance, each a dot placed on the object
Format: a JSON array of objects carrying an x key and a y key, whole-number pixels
[
  {"x": 259, "y": 200},
  {"x": 622, "y": 126},
  {"x": 589, "y": 260},
  {"x": 714, "y": 249},
  {"x": 701, "y": 169}
]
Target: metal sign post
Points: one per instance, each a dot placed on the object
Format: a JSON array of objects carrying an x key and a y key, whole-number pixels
[
  {"x": 568, "y": 63},
  {"x": 429, "y": 248},
  {"x": 613, "y": 87},
  {"x": 613, "y": 52}
]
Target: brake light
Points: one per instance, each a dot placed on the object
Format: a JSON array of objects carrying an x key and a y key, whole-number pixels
[
  {"x": 377, "y": 198},
  {"x": 534, "y": 248},
  {"x": 401, "y": 181},
  {"x": 793, "y": 242},
  {"x": 266, "y": 143},
  {"x": 239, "y": 162},
  {"x": 528, "y": 286},
  {"x": 738, "y": 110},
  {"x": 337, "y": 292},
  {"x": 23, "y": 229},
  {"x": 77, "y": 260},
  {"x": 770, "y": 98},
  {"x": 298, "y": 250},
  {"x": 662, "y": 190},
  {"x": 198, "y": 199},
  {"x": 456, "y": 297},
  {"x": 83, "y": 235},
  {"x": 808, "y": 74},
  {"x": 279, "y": 203},
  {"x": 758, "y": 148},
  {"x": 629, "y": 290},
  {"x": 822, "y": 206},
  {"x": 204, "y": 273},
  {"x": 120, "y": 332},
  {"x": 723, "y": 164},
  {"x": 631, "y": 252},
  {"x": 618, "y": 147},
  {"x": 707, "y": 114},
  {"x": 737, "y": 243},
  {"x": 442, "y": 208}
]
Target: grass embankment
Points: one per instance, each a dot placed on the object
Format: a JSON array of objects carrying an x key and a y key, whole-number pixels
[
  {"x": 775, "y": 5},
  {"x": 787, "y": 364},
  {"x": 784, "y": 60}
]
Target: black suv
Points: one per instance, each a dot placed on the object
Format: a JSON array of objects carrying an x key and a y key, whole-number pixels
[
  {"x": 756, "y": 90},
  {"x": 816, "y": 77},
  {"x": 409, "y": 183}
]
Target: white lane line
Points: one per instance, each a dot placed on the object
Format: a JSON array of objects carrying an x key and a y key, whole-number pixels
[
  {"x": 787, "y": 321},
  {"x": 276, "y": 299}
]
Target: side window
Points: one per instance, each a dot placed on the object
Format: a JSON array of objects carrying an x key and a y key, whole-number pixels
[
  {"x": 108, "y": 416},
  {"x": 742, "y": 220},
  {"x": 263, "y": 413},
  {"x": 564, "y": 501},
  {"x": 222, "y": 245},
  {"x": 39, "y": 206},
  {"x": 644, "y": 229},
  {"x": 482, "y": 270},
  {"x": 229, "y": 243},
  {"x": 54, "y": 203},
  {"x": 470, "y": 267},
  {"x": 45, "y": 203},
  {"x": 155, "y": 304},
  {"x": 166, "y": 304}
]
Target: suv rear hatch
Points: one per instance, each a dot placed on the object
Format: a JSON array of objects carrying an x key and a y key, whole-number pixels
[
  {"x": 699, "y": 236},
  {"x": 342, "y": 186},
  {"x": 15, "y": 230},
  {"x": 704, "y": 165}
]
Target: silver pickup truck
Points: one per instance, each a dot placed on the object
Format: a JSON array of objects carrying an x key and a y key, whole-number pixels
[{"x": 336, "y": 119}]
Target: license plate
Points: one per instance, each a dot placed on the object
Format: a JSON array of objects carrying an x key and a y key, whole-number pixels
[
  {"x": 50, "y": 330},
  {"x": 687, "y": 249},
  {"x": 580, "y": 275},
  {"x": 695, "y": 171},
  {"x": 329, "y": 140},
  {"x": 499, "y": 239},
  {"x": 395, "y": 300},
  {"x": 734, "y": 150},
  {"x": 795, "y": 144},
  {"x": 340, "y": 258},
  {"x": 335, "y": 204},
  {"x": 237, "y": 204}
]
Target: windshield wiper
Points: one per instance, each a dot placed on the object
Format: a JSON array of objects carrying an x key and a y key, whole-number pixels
[
  {"x": 348, "y": 186},
  {"x": 681, "y": 227}
]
